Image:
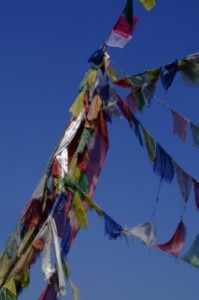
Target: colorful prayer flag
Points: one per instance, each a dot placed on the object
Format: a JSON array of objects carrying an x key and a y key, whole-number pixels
[{"x": 122, "y": 32}]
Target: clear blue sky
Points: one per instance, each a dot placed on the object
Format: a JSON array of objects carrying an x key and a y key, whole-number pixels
[{"x": 44, "y": 48}]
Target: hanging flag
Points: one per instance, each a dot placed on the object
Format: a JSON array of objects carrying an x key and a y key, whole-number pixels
[
  {"x": 192, "y": 256},
  {"x": 137, "y": 130},
  {"x": 175, "y": 244},
  {"x": 122, "y": 32},
  {"x": 167, "y": 74},
  {"x": 150, "y": 144},
  {"x": 145, "y": 232},
  {"x": 195, "y": 133},
  {"x": 123, "y": 82},
  {"x": 97, "y": 154},
  {"x": 148, "y": 4},
  {"x": 163, "y": 165},
  {"x": 124, "y": 109},
  {"x": 10, "y": 286},
  {"x": 97, "y": 57},
  {"x": 112, "y": 228},
  {"x": 6, "y": 295},
  {"x": 148, "y": 88},
  {"x": 196, "y": 192},
  {"x": 49, "y": 293},
  {"x": 180, "y": 125},
  {"x": 131, "y": 102},
  {"x": 184, "y": 181},
  {"x": 128, "y": 11},
  {"x": 189, "y": 68}
]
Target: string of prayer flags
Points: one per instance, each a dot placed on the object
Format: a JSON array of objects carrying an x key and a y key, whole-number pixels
[
  {"x": 148, "y": 4},
  {"x": 192, "y": 256},
  {"x": 147, "y": 80},
  {"x": 58, "y": 207},
  {"x": 164, "y": 165},
  {"x": 184, "y": 181},
  {"x": 176, "y": 243}
]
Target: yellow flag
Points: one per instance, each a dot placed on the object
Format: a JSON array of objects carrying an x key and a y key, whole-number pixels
[
  {"x": 79, "y": 210},
  {"x": 11, "y": 287},
  {"x": 112, "y": 74},
  {"x": 78, "y": 105},
  {"x": 148, "y": 4},
  {"x": 23, "y": 277},
  {"x": 4, "y": 265},
  {"x": 91, "y": 77}
]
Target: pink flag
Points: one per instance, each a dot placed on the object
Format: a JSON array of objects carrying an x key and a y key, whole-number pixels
[
  {"x": 131, "y": 101},
  {"x": 176, "y": 243},
  {"x": 179, "y": 125}
]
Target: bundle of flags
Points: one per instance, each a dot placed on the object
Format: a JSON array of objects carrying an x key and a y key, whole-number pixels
[{"x": 58, "y": 207}]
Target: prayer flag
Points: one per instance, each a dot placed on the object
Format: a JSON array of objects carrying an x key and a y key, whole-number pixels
[
  {"x": 184, "y": 181},
  {"x": 163, "y": 164},
  {"x": 112, "y": 228},
  {"x": 195, "y": 133},
  {"x": 131, "y": 101},
  {"x": 192, "y": 256},
  {"x": 176, "y": 243},
  {"x": 145, "y": 232},
  {"x": 190, "y": 68},
  {"x": 150, "y": 144},
  {"x": 167, "y": 74},
  {"x": 196, "y": 192},
  {"x": 49, "y": 293},
  {"x": 148, "y": 4},
  {"x": 180, "y": 125},
  {"x": 122, "y": 32}
]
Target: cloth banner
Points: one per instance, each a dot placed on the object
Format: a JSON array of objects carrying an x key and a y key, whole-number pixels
[
  {"x": 192, "y": 256},
  {"x": 145, "y": 232},
  {"x": 180, "y": 125},
  {"x": 184, "y": 181},
  {"x": 163, "y": 165},
  {"x": 176, "y": 243}
]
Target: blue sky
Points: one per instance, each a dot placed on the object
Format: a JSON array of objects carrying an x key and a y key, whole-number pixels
[{"x": 45, "y": 46}]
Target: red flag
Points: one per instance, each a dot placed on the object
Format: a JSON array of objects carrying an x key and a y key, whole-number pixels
[{"x": 176, "y": 243}]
